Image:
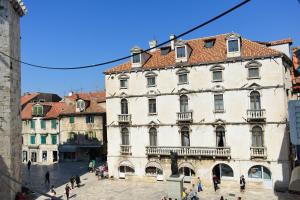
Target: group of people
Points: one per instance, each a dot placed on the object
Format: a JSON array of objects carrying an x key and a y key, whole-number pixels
[
  {"x": 102, "y": 171},
  {"x": 216, "y": 182},
  {"x": 73, "y": 180}
]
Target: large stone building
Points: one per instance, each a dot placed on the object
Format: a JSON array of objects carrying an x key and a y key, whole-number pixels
[
  {"x": 82, "y": 127},
  {"x": 40, "y": 131},
  {"x": 220, "y": 102},
  {"x": 10, "y": 131}
]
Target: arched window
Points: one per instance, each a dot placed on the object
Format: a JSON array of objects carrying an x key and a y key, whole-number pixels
[
  {"x": 184, "y": 103},
  {"x": 125, "y": 136},
  {"x": 186, "y": 171},
  {"x": 185, "y": 136},
  {"x": 220, "y": 135},
  {"x": 124, "y": 106},
  {"x": 153, "y": 136},
  {"x": 255, "y": 100},
  {"x": 257, "y": 136},
  {"x": 259, "y": 172},
  {"x": 222, "y": 170},
  {"x": 126, "y": 169}
]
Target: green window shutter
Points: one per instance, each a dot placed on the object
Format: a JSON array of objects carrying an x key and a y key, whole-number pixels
[
  {"x": 72, "y": 119},
  {"x": 54, "y": 139},
  {"x": 39, "y": 110},
  {"x": 32, "y": 139},
  {"x": 43, "y": 124},
  {"x": 53, "y": 123},
  {"x": 34, "y": 110},
  {"x": 43, "y": 139},
  {"x": 32, "y": 123}
]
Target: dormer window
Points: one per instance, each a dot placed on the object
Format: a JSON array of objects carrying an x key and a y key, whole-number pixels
[
  {"x": 180, "y": 52},
  {"x": 233, "y": 45},
  {"x": 37, "y": 110},
  {"x": 136, "y": 58},
  {"x": 209, "y": 43},
  {"x": 80, "y": 105}
]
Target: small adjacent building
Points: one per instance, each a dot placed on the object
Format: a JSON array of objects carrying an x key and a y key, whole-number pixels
[
  {"x": 82, "y": 127},
  {"x": 220, "y": 102},
  {"x": 40, "y": 132}
]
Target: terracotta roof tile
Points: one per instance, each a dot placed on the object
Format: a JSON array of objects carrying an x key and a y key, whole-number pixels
[
  {"x": 27, "y": 97},
  {"x": 55, "y": 109},
  {"x": 93, "y": 99},
  {"x": 200, "y": 54}
]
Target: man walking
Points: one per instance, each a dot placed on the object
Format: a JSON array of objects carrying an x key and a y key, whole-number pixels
[
  {"x": 28, "y": 165},
  {"x": 242, "y": 183},
  {"x": 67, "y": 191},
  {"x": 47, "y": 177}
]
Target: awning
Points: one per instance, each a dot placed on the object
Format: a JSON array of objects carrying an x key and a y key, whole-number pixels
[
  {"x": 126, "y": 163},
  {"x": 67, "y": 148},
  {"x": 186, "y": 164},
  {"x": 154, "y": 164}
]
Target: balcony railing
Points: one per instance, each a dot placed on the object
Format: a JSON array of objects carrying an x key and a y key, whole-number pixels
[
  {"x": 184, "y": 116},
  {"x": 256, "y": 114},
  {"x": 190, "y": 151},
  {"x": 125, "y": 149},
  {"x": 258, "y": 152},
  {"x": 124, "y": 118}
]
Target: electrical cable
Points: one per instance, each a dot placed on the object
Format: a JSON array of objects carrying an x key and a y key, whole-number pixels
[{"x": 126, "y": 57}]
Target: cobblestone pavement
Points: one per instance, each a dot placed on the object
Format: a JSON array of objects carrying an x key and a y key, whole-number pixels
[{"x": 94, "y": 189}]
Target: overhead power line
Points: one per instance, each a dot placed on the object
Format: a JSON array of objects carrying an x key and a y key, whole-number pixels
[{"x": 129, "y": 56}]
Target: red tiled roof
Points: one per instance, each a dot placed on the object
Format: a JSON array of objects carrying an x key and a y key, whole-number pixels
[
  {"x": 277, "y": 42},
  {"x": 55, "y": 109},
  {"x": 93, "y": 99},
  {"x": 200, "y": 54},
  {"x": 27, "y": 97}
]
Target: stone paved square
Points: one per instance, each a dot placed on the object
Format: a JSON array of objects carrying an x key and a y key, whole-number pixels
[{"x": 94, "y": 189}]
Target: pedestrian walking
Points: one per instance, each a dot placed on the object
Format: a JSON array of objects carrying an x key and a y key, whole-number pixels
[
  {"x": 90, "y": 166},
  {"x": 199, "y": 185},
  {"x": 28, "y": 165},
  {"x": 222, "y": 198},
  {"x": 215, "y": 182},
  {"x": 242, "y": 183},
  {"x": 72, "y": 181},
  {"x": 77, "y": 179},
  {"x": 67, "y": 191},
  {"x": 47, "y": 177}
]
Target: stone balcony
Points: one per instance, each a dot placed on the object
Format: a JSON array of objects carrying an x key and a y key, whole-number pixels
[
  {"x": 124, "y": 118},
  {"x": 185, "y": 116},
  {"x": 213, "y": 152},
  {"x": 256, "y": 115},
  {"x": 258, "y": 152},
  {"x": 125, "y": 149}
]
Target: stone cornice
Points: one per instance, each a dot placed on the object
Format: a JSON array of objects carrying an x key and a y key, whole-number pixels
[{"x": 19, "y": 7}]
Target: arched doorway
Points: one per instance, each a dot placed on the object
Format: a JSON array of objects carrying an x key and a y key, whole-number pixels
[
  {"x": 188, "y": 171},
  {"x": 222, "y": 170}
]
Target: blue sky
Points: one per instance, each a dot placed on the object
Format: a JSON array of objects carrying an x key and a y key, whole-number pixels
[{"x": 71, "y": 33}]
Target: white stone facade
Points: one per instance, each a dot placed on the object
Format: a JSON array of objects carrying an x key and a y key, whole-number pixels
[
  {"x": 38, "y": 151},
  {"x": 201, "y": 120}
]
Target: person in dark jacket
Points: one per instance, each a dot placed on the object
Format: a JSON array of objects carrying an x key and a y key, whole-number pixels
[
  {"x": 72, "y": 181},
  {"x": 77, "y": 179},
  {"x": 47, "y": 177},
  {"x": 242, "y": 183},
  {"x": 28, "y": 165},
  {"x": 67, "y": 191}
]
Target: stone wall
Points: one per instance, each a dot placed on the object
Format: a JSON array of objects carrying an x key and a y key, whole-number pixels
[{"x": 10, "y": 131}]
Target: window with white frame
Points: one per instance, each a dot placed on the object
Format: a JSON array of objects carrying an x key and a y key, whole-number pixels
[
  {"x": 152, "y": 106},
  {"x": 151, "y": 81},
  {"x": 153, "y": 136},
  {"x": 220, "y": 135},
  {"x": 181, "y": 52},
  {"x": 125, "y": 136},
  {"x": 124, "y": 83},
  {"x": 136, "y": 58},
  {"x": 124, "y": 107},
  {"x": 253, "y": 69},
  {"x": 217, "y": 73},
  {"x": 219, "y": 104},
  {"x": 257, "y": 136},
  {"x": 259, "y": 172},
  {"x": 182, "y": 76},
  {"x": 233, "y": 45},
  {"x": 217, "y": 76},
  {"x": 184, "y": 103}
]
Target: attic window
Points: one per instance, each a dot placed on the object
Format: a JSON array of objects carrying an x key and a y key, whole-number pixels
[
  {"x": 136, "y": 58},
  {"x": 165, "y": 50},
  {"x": 80, "y": 105},
  {"x": 180, "y": 52},
  {"x": 209, "y": 43},
  {"x": 233, "y": 45},
  {"x": 37, "y": 110}
]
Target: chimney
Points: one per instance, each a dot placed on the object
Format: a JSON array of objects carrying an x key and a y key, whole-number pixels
[
  {"x": 152, "y": 43},
  {"x": 173, "y": 41}
]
